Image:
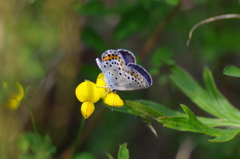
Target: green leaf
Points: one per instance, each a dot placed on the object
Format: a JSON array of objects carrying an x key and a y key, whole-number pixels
[
  {"x": 123, "y": 152},
  {"x": 226, "y": 135},
  {"x": 142, "y": 110},
  {"x": 232, "y": 71},
  {"x": 191, "y": 123},
  {"x": 145, "y": 108},
  {"x": 210, "y": 100},
  {"x": 110, "y": 156},
  {"x": 33, "y": 145},
  {"x": 160, "y": 108},
  {"x": 188, "y": 123},
  {"x": 218, "y": 102},
  {"x": 121, "y": 109},
  {"x": 211, "y": 122},
  {"x": 214, "y": 122}
]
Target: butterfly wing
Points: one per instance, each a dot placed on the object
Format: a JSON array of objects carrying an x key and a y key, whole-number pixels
[
  {"x": 112, "y": 67},
  {"x": 127, "y": 55},
  {"x": 134, "y": 77}
]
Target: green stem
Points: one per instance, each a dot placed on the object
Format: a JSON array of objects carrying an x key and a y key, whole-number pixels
[
  {"x": 78, "y": 137},
  {"x": 31, "y": 116}
]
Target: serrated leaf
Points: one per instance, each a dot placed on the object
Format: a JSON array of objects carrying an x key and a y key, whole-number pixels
[
  {"x": 211, "y": 122},
  {"x": 123, "y": 152},
  {"x": 226, "y": 135},
  {"x": 232, "y": 71},
  {"x": 188, "y": 123},
  {"x": 191, "y": 123}
]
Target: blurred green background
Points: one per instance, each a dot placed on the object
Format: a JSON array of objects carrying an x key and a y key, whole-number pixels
[{"x": 51, "y": 46}]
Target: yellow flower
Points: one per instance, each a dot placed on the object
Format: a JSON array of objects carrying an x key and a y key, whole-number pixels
[
  {"x": 11, "y": 104},
  {"x": 113, "y": 99},
  {"x": 87, "y": 109},
  {"x": 87, "y": 91},
  {"x": 14, "y": 94},
  {"x": 101, "y": 84}
]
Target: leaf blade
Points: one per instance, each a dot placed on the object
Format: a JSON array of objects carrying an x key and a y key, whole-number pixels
[
  {"x": 209, "y": 100},
  {"x": 232, "y": 71},
  {"x": 142, "y": 110},
  {"x": 123, "y": 152},
  {"x": 188, "y": 123}
]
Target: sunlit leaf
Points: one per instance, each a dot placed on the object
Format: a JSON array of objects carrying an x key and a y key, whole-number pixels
[
  {"x": 210, "y": 100},
  {"x": 191, "y": 123},
  {"x": 232, "y": 71},
  {"x": 123, "y": 152},
  {"x": 218, "y": 101},
  {"x": 188, "y": 123},
  {"x": 226, "y": 135}
]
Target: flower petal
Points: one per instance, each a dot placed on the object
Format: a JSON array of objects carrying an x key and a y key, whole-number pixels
[
  {"x": 101, "y": 84},
  {"x": 87, "y": 109},
  {"x": 11, "y": 104},
  {"x": 14, "y": 94},
  {"x": 87, "y": 91},
  {"x": 14, "y": 90},
  {"x": 113, "y": 99}
]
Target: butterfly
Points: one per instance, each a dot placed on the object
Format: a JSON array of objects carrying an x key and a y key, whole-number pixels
[{"x": 121, "y": 71}]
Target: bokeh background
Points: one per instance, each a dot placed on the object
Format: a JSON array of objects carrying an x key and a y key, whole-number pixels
[{"x": 51, "y": 46}]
